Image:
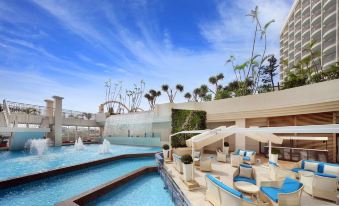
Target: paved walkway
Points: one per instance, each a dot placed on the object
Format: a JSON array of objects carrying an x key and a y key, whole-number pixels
[{"x": 225, "y": 172}]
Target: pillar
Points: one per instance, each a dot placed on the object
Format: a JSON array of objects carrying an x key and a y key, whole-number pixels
[
  {"x": 57, "y": 120},
  {"x": 240, "y": 140},
  {"x": 49, "y": 108}
]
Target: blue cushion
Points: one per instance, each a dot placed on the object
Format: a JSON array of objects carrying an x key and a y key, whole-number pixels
[
  {"x": 237, "y": 152},
  {"x": 246, "y": 158},
  {"x": 296, "y": 170},
  {"x": 249, "y": 153},
  {"x": 224, "y": 187},
  {"x": 245, "y": 165},
  {"x": 325, "y": 175},
  {"x": 244, "y": 179},
  {"x": 271, "y": 192},
  {"x": 244, "y": 151},
  {"x": 273, "y": 163},
  {"x": 290, "y": 185}
]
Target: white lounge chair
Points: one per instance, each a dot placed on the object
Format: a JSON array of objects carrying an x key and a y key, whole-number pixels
[{"x": 219, "y": 194}]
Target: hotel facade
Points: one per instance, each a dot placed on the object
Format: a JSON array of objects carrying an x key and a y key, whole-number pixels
[{"x": 309, "y": 20}]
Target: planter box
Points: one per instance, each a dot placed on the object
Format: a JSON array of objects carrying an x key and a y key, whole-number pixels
[
  {"x": 188, "y": 169},
  {"x": 182, "y": 151}
]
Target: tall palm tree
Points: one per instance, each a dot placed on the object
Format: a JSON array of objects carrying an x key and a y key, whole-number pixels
[
  {"x": 188, "y": 96},
  {"x": 170, "y": 93},
  {"x": 196, "y": 93}
]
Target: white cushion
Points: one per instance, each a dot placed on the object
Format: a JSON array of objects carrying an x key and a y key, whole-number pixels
[
  {"x": 332, "y": 170},
  {"x": 313, "y": 166},
  {"x": 196, "y": 154},
  {"x": 248, "y": 154},
  {"x": 241, "y": 152},
  {"x": 245, "y": 172}
]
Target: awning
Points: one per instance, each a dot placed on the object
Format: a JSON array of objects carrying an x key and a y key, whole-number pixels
[{"x": 304, "y": 138}]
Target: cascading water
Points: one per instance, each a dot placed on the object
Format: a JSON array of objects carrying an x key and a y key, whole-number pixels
[
  {"x": 105, "y": 147},
  {"x": 37, "y": 146},
  {"x": 79, "y": 145}
]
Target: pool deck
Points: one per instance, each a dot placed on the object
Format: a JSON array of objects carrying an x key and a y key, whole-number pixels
[{"x": 225, "y": 172}]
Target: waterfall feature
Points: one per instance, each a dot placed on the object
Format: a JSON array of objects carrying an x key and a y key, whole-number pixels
[
  {"x": 37, "y": 146},
  {"x": 79, "y": 145},
  {"x": 105, "y": 147}
]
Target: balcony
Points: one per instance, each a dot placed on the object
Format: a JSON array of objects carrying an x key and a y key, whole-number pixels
[
  {"x": 306, "y": 21},
  {"x": 329, "y": 45},
  {"x": 329, "y": 29},
  {"x": 316, "y": 4},
  {"x": 329, "y": 16},
  {"x": 329, "y": 59}
]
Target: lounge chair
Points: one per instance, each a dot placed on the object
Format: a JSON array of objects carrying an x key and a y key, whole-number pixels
[
  {"x": 221, "y": 156},
  {"x": 320, "y": 185},
  {"x": 281, "y": 193},
  {"x": 220, "y": 194},
  {"x": 251, "y": 177},
  {"x": 178, "y": 163},
  {"x": 243, "y": 156},
  {"x": 278, "y": 173}
]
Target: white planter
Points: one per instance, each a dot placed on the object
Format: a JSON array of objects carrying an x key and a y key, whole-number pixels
[
  {"x": 188, "y": 170},
  {"x": 274, "y": 158},
  {"x": 166, "y": 154},
  {"x": 226, "y": 150}
]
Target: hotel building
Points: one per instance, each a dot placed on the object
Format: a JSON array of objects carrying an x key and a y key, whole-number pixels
[{"x": 310, "y": 20}]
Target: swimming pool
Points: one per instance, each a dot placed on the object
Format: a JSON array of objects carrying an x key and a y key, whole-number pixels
[
  {"x": 147, "y": 189},
  {"x": 18, "y": 163},
  {"x": 55, "y": 189}
]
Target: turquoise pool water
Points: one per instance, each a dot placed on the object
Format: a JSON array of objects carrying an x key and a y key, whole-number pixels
[
  {"x": 59, "y": 188},
  {"x": 147, "y": 190},
  {"x": 18, "y": 163}
]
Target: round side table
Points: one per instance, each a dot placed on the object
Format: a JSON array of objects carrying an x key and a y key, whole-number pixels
[{"x": 247, "y": 188}]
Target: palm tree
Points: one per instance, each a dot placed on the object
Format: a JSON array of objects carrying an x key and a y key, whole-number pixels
[
  {"x": 188, "y": 96},
  {"x": 171, "y": 95},
  {"x": 214, "y": 81},
  {"x": 196, "y": 93},
  {"x": 151, "y": 97}
]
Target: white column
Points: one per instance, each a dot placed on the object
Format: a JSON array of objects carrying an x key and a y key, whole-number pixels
[
  {"x": 240, "y": 140},
  {"x": 57, "y": 121}
]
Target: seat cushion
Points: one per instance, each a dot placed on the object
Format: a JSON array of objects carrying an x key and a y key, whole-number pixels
[
  {"x": 290, "y": 185},
  {"x": 244, "y": 179},
  {"x": 245, "y": 172},
  {"x": 271, "y": 192},
  {"x": 299, "y": 169},
  {"x": 242, "y": 152},
  {"x": 196, "y": 154},
  {"x": 325, "y": 175},
  {"x": 249, "y": 153},
  {"x": 246, "y": 158}
]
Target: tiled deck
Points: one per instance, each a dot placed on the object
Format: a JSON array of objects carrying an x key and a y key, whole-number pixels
[{"x": 225, "y": 172}]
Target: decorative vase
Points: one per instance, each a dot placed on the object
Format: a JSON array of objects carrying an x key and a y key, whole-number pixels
[{"x": 188, "y": 169}]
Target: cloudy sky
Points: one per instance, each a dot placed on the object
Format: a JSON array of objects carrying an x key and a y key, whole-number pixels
[{"x": 70, "y": 48}]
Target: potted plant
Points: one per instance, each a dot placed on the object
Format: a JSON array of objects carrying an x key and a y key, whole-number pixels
[
  {"x": 165, "y": 151},
  {"x": 187, "y": 167},
  {"x": 226, "y": 147},
  {"x": 274, "y": 155}
]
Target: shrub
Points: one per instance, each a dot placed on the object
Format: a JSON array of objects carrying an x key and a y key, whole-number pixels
[
  {"x": 275, "y": 151},
  {"x": 165, "y": 147},
  {"x": 226, "y": 144},
  {"x": 186, "y": 159}
]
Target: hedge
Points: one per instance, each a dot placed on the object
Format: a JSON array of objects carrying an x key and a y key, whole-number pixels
[{"x": 186, "y": 120}]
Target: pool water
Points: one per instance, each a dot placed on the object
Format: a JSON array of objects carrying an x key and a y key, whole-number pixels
[
  {"x": 145, "y": 190},
  {"x": 18, "y": 163},
  {"x": 59, "y": 188}
]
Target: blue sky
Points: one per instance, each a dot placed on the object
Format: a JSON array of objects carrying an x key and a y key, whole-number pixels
[{"x": 70, "y": 48}]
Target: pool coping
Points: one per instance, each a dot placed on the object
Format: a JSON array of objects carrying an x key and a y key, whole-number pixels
[
  {"x": 95, "y": 193},
  {"x": 15, "y": 181}
]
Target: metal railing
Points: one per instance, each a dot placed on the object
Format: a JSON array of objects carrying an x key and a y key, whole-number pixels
[
  {"x": 297, "y": 154},
  {"x": 16, "y": 107},
  {"x": 178, "y": 197},
  {"x": 77, "y": 115}
]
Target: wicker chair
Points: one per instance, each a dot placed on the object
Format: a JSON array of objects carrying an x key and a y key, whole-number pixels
[
  {"x": 278, "y": 173},
  {"x": 221, "y": 156},
  {"x": 237, "y": 178},
  {"x": 282, "y": 193}
]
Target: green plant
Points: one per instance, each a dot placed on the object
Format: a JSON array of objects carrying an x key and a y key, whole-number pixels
[
  {"x": 186, "y": 159},
  {"x": 275, "y": 151},
  {"x": 165, "y": 147},
  {"x": 151, "y": 97},
  {"x": 186, "y": 120},
  {"x": 226, "y": 144},
  {"x": 170, "y": 93}
]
